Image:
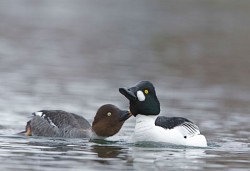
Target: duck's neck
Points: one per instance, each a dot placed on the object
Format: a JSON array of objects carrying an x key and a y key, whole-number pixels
[
  {"x": 145, "y": 121},
  {"x": 95, "y": 136}
]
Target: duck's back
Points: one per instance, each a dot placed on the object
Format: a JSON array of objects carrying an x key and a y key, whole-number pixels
[{"x": 58, "y": 123}]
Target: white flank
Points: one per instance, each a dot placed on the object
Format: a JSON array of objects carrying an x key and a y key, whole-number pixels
[
  {"x": 140, "y": 96},
  {"x": 145, "y": 130}
]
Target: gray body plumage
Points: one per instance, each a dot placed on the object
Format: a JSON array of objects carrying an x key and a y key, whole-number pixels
[{"x": 58, "y": 123}]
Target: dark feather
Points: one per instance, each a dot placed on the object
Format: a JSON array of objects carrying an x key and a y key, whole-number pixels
[{"x": 170, "y": 122}]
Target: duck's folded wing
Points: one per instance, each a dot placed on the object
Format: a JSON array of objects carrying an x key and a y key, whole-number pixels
[
  {"x": 41, "y": 127},
  {"x": 185, "y": 126},
  {"x": 60, "y": 119}
]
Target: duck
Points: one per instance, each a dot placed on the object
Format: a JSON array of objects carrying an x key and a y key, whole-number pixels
[
  {"x": 58, "y": 123},
  {"x": 149, "y": 126}
]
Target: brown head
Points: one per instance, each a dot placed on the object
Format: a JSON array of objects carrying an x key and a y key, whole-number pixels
[{"x": 109, "y": 120}]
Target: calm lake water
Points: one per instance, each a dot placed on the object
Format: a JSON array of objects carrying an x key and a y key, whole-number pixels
[{"x": 74, "y": 55}]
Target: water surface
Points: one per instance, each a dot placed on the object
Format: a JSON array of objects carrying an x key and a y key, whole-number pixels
[{"x": 74, "y": 55}]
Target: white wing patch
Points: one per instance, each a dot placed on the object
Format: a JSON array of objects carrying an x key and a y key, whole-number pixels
[
  {"x": 43, "y": 115},
  {"x": 38, "y": 114},
  {"x": 189, "y": 129},
  {"x": 50, "y": 122}
]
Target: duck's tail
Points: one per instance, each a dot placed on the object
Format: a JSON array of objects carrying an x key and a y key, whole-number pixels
[{"x": 27, "y": 131}]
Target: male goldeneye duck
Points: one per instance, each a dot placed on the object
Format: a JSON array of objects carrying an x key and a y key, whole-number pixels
[
  {"x": 57, "y": 123},
  {"x": 145, "y": 106}
]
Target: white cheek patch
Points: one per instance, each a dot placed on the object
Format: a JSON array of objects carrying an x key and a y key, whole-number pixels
[{"x": 140, "y": 96}]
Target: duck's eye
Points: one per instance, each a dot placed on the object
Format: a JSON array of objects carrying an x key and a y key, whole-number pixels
[
  {"x": 109, "y": 114},
  {"x": 146, "y": 91}
]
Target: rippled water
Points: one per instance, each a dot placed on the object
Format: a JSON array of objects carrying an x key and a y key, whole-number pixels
[{"x": 74, "y": 55}]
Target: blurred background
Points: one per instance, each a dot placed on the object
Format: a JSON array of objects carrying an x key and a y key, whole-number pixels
[{"x": 74, "y": 55}]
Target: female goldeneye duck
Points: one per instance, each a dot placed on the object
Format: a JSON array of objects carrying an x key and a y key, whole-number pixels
[
  {"x": 145, "y": 106},
  {"x": 57, "y": 123}
]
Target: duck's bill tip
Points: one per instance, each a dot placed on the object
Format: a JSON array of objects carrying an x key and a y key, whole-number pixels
[
  {"x": 125, "y": 115},
  {"x": 130, "y": 113},
  {"x": 130, "y": 95}
]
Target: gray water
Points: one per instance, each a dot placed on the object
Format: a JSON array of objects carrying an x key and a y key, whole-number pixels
[{"x": 74, "y": 55}]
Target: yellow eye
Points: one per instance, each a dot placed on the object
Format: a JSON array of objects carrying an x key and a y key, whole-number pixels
[
  {"x": 109, "y": 113},
  {"x": 146, "y": 91}
]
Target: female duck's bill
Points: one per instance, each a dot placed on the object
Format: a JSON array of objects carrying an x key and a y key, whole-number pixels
[{"x": 57, "y": 123}]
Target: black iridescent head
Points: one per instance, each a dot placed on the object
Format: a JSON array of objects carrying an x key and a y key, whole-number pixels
[{"x": 142, "y": 98}]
